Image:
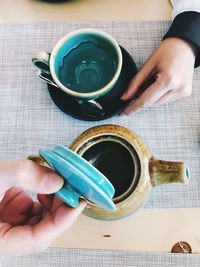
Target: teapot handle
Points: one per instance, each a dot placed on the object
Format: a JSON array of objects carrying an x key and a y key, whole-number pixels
[{"x": 167, "y": 172}]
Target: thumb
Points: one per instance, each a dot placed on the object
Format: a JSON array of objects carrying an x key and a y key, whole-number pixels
[
  {"x": 139, "y": 79},
  {"x": 29, "y": 176}
]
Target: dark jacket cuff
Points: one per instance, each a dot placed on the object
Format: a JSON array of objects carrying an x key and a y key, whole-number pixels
[{"x": 186, "y": 26}]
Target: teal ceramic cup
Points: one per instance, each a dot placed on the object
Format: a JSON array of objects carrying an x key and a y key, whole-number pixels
[{"x": 85, "y": 64}]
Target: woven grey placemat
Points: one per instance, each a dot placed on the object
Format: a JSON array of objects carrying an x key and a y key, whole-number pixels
[
  {"x": 101, "y": 258},
  {"x": 30, "y": 120}
]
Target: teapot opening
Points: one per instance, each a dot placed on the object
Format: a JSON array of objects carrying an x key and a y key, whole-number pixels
[{"x": 117, "y": 159}]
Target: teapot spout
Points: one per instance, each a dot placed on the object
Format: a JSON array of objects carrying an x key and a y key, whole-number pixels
[{"x": 167, "y": 172}]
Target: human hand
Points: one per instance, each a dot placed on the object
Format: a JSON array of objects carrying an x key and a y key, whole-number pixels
[
  {"x": 27, "y": 226},
  {"x": 171, "y": 68}
]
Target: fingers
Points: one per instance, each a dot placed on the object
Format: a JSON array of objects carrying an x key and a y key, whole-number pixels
[
  {"x": 18, "y": 203},
  {"x": 144, "y": 74},
  {"x": 51, "y": 227},
  {"x": 175, "y": 71},
  {"x": 36, "y": 209},
  {"x": 29, "y": 176},
  {"x": 28, "y": 239},
  {"x": 34, "y": 220},
  {"x": 147, "y": 98},
  {"x": 10, "y": 195},
  {"x": 36, "y": 237},
  {"x": 57, "y": 202},
  {"x": 15, "y": 207},
  {"x": 50, "y": 202},
  {"x": 46, "y": 200},
  {"x": 172, "y": 95},
  {"x": 165, "y": 99}
]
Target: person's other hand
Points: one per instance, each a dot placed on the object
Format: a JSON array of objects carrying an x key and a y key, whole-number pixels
[
  {"x": 171, "y": 68},
  {"x": 27, "y": 226}
]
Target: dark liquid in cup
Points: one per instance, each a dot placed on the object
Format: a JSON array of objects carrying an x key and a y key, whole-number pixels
[
  {"x": 114, "y": 161},
  {"x": 87, "y": 68}
]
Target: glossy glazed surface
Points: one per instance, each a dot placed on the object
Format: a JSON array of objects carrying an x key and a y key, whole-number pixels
[{"x": 81, "y": 178}]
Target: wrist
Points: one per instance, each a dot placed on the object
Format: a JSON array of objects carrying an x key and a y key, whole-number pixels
[
  {"x": 186, "y": 26},
  {"x": 182, "y": 45},
  {"x": 179, "y": 48}
]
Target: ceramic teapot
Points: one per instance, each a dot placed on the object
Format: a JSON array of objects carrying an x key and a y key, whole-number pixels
[{"x": 123, "y": 158}]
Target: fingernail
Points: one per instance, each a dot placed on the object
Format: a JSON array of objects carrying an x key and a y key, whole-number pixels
[
  {"x": 127, "y": 112},
  {"x": 82, "y": 203},
  {"x": 123, "y": 114},
  {"x": 53, "y": 182},
  {"x": 123, "y": 96}
]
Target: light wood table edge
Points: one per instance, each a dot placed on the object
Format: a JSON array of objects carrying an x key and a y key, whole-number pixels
[{"x": 146, "y": 230}]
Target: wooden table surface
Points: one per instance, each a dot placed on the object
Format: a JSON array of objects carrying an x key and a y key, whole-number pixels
[
  {"x": 147, "y": 230},
  {"x": 35, "y": 10}
]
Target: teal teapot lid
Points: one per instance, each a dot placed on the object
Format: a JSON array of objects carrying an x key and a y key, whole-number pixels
[{"x": 80, "y": 178}]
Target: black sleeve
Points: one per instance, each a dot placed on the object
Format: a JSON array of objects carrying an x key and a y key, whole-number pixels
[{"x": 186, "y": 26}]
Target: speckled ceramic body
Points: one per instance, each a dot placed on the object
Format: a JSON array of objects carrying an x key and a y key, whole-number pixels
[
  {"x": 148, "y": 171},
  {"x": 151, "y": 172}
]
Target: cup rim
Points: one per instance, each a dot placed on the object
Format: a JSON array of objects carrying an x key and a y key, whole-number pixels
[{"x": 100, "y": 91}]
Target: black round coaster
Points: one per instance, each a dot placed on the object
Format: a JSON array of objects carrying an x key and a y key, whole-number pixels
[{"x": 111, "y": 102}]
